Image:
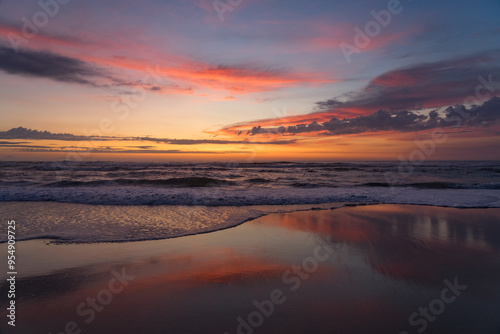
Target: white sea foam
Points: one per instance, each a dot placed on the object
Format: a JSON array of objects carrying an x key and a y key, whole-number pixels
[
  {"x": 115, "y": 201},
  {"x": 261, "y": 196},
  {"x": 70, "y": 222}
]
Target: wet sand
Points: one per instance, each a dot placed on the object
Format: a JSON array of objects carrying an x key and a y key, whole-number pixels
[{"x": 367, "y": 269}]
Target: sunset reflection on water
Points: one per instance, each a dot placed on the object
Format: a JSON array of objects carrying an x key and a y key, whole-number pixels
[{"x": 382, "y": 263}]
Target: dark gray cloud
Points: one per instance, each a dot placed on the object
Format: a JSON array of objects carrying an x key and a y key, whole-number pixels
[
  {"x": 435, "y": 84},
  {"x": 402, "y": 121},
  {"x": 56, "y": 67},
  {"x": 48, "y": 65},
  {"x": 107, "y": 151},
  {"x": 24, "y": 133},
  {"x": 142, "y": 147},
  {"x": 213, "y": 141},
  {"x": 13, "y": 142},
  {"x": 391, "y": 98},
  {"x": 16, "y": 145}
]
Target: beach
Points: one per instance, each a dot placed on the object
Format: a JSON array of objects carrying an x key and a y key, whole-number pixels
[
  {"x": 354, "y": 269},
  {"x": 249, "y": 167}
]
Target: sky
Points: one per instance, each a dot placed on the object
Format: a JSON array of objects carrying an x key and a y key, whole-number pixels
[{"x": 249, "y": 80}]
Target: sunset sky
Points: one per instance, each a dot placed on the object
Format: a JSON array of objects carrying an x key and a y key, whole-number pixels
[{"x": 249, "y": 80}]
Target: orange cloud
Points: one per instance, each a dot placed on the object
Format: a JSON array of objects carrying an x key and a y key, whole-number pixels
[
  {"x": 319, "y": 117},
  {"x": 185, "y": 72},
  {"x": 235, "y": 79}
]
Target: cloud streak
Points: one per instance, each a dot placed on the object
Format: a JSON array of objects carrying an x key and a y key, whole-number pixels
[
  {"x": 24, "y": 133},
  {"x": 141, "y": 151},
  {"x": 48, "y": 65}
]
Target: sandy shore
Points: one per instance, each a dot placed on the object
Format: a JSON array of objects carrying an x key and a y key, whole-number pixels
[{"x": 367, "y": 269}]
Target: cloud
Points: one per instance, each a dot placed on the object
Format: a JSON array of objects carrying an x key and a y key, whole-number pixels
[
  {"x": 14, "y": 32},
  {"x": 48, "y": 65},
  {"x": 147, "y": 147},
  {"x": 213, "y": 141},
  {"x": 318, "y": 34},
  {"x": 141, "y": 151},
  {"x": 20, "y": 145},
  {"x": 430, "y": 85},
  {"x": 278, "y": 121},
  {"x": 100, "y": 54},
  {"x": 24, "y": 133},
  {"x": 402, "y": 121},
  {"x": 96, "y": 71},
  {"x": 240, "y": 78},
  {"x": 13, "y": 142},
  {"x": 43, "y": 64},
  {"x": 440, "y": 83}
]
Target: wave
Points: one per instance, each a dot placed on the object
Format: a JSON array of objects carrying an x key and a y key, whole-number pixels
[
  {"x": 208, "y": 182},
  {"x": 259, "y": 181},
  {"x": 312, "y": 185},
  {"x": 420, "y": 185},
  {"x": 190, "y": 182},
  {"x": 432, "y": 185},
  {"x": 249, "y": 183},
  {"x": 16, "y": 183},
  {"x": 437, "y": 185},
  {"x": 249, "y": 196},
  {"x": 138, "y": 218}
]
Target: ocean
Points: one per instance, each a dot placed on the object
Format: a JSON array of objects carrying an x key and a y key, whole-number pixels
[
  {"x": 127, "y": 201},
  {"x": 126, "y": 183}
]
